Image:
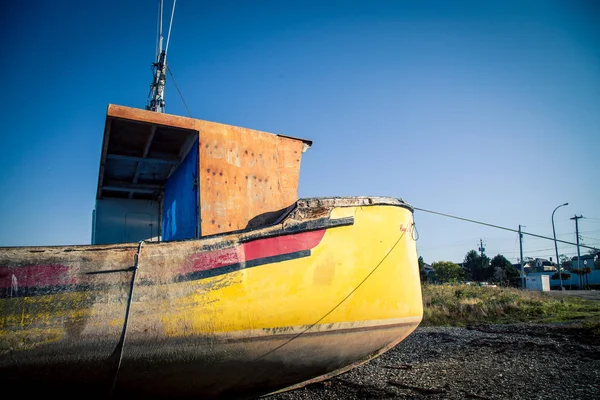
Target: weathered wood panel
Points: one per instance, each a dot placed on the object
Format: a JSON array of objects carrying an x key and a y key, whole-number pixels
[{"x": 244, "y": 173}]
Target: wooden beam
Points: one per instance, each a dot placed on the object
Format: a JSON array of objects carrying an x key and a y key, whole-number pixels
[
  {"x": 140, "y": 163},
  {"x": 183, "y": 151},
  {"x": 166, "y": 160},
  {"x": 107, "y": 126},
  {"x": 131, "y": 187},
  {"x": 151, "y": 117}
]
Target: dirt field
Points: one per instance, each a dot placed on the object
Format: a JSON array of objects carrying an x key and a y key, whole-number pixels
[
  {"x": 513, "y": 361},
  {"x": 482, "y": 362}
]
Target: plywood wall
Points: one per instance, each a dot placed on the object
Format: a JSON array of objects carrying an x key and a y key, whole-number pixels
[{"x": 244, "y": 174}]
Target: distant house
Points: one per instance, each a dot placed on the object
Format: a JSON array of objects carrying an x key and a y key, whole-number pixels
[
  {"x": 427, "y": 268},
  {"x": 585, "y": 261},
  {"x": 540, "y": 265}
]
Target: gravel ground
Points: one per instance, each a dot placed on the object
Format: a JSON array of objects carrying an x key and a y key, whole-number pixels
[{"x": 516, "y": 361}]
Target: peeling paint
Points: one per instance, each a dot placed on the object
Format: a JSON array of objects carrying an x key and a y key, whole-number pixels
[{"x": 310, "y": 293}]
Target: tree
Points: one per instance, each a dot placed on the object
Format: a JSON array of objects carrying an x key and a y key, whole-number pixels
[
  {"x": 508, "y": 275},
  {"x": 446, "y": 271},
  {"x": 477, "y": 266},
  {"x": 596, "y": 252},
  {"x": 499, "y": 276},
  {"x": 565, "y": 262},
  {"x": 422, "y": 271},
  {"x": 579, "y": 272},
  {"x": 582, "y": 273},
  {"x": 470, "y": 264},
  {"x": 564, "y": 275}
]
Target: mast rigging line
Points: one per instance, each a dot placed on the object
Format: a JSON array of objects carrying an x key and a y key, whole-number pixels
[
  {"x": 158, "y": 30},
  {"x": 501, "y": 227},
  {"x": 170, "y": 25},
  {"x": 156, "y": 98},
  {"x": 179, "y": 91}
]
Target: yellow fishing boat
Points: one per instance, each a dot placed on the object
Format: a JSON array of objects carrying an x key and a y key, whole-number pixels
[
  {"x": 261, "y": 292},
  {"x": 206, "y": 275}
]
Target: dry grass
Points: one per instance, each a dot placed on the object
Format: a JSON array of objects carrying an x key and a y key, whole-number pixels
[{"x": 460, "y": 305}]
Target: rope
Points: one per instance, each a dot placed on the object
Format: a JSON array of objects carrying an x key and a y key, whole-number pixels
[
  {"x": 337, "y": 305},
  {"x": 121, "y": 345},
  {"x": 414, "y": 233},
  {"x": 501, "y": 227}
]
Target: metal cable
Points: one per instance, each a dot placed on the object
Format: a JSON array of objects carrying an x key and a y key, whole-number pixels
[{"x": 501, "y": 227}]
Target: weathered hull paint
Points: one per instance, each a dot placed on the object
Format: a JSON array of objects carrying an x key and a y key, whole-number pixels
[{"x": 245, "y": 314}]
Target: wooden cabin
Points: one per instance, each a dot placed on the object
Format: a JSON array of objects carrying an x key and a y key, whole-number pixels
[{"x": 166, "y": 177}]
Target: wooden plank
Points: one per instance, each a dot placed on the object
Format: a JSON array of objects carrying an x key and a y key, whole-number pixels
[{"x": 151, "y": 117}]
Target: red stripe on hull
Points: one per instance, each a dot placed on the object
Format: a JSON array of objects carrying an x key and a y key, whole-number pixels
[
  {"x": 282, "y": 244},
  {"x": 53, "y": 275},
  {"x": 254, "y": 250},
  {"x": 35, "y": 275}
]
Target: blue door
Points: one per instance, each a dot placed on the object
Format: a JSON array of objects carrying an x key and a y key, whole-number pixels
[{"x": 180, "y": 201}]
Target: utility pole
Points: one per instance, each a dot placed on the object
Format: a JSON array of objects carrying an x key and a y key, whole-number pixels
[
  {"x": 481, "y": 251},
  {"x": 576, "y": 218},
  {"x": 521, "y": 251},
  {"x": 556, "y": 247}
]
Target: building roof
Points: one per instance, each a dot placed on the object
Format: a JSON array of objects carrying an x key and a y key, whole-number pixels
[{"x": 585, "y": 257}]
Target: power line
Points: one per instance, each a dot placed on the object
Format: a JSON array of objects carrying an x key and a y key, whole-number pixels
[
  {"x": 528, "y": 251},
  {"x": 499, "y": 227}
]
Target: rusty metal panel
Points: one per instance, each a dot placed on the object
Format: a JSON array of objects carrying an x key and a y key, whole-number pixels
[
  {"x": 244, "y": 174},
  {"x": 289, "y": 154}
]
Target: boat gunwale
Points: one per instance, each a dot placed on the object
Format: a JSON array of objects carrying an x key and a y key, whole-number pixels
[{"x": 248, "y": 234}]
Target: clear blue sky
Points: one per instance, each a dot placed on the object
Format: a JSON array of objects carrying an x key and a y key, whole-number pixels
[{"x": 485, "y": 110}]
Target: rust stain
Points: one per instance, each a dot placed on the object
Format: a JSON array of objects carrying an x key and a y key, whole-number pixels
[{"x": 269, "y": 164}]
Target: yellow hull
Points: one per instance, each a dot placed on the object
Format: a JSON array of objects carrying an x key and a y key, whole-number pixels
[{"x": 332, "y": 285}]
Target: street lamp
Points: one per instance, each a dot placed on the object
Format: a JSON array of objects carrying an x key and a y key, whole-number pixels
[{"x": 556, "y": 247}]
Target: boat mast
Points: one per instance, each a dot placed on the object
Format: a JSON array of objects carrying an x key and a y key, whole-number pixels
[{"x": 156, "y": 98}]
